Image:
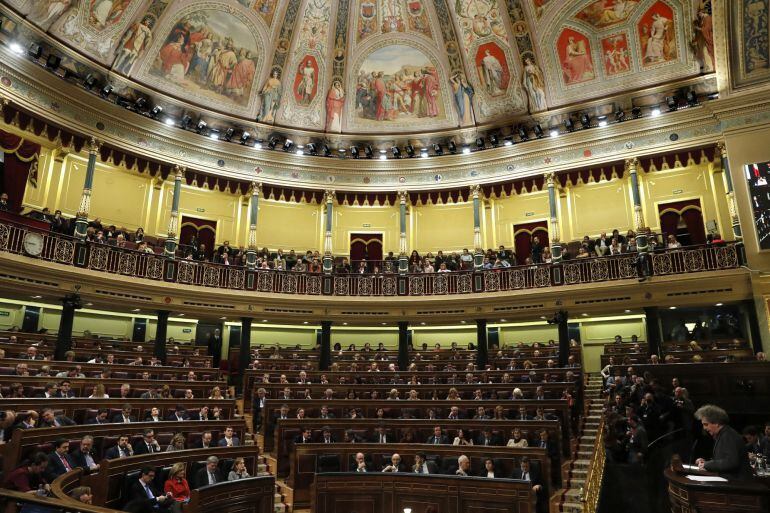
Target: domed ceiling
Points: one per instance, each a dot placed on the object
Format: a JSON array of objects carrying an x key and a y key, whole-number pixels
[{"x": 385, "y": 66}]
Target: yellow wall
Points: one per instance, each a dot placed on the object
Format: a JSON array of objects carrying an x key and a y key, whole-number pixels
[
  {"x": 443, "y": 335},
  {"x": 597, "y": 207},
  {"x": 349, "y": 219},
  {"x": 443, "y": 227},
  {"x": 528, "y": 333},
  {"x": 513, "y": 210},
  {"x": 594, "y": 333},
  {"x": 283, "y": 336},
  {"x": 288, "y": 226},
  {"x": 15, "y": 315}
]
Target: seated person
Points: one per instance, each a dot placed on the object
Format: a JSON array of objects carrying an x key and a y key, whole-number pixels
[
  {"x": 176, "y": 484},
  {"x": 239, "y": 470},
  {"x": 729, "y": 456}
]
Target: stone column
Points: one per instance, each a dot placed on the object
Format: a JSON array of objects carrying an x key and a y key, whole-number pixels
[
  {"x": 481, "y": 344},
  {"x": 562, "y": 321},
  {"x": 554, "y": 231},
  {"x": 325, "y": 359},
  {"x": 251, "y": 252},
  {"x": 161, "y": 333},
  {"x": 328, "y": 260},
  {"x": 173, "y": 220},
  {"x": 81, "y": 219},
  {"x": 731, "y": 202},
  {"x": 642, "y": 244},
  {"x": 478, "y": 251},
  {"x": 70, "y": 303},
  {"x": 403, "y": 259},
  {"x": 403, "y": 347},
  {"x": 652, "y": 319},
  {"x": 244, "y": 349}
]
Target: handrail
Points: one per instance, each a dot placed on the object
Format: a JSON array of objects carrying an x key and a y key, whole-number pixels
[
  {"x": 126, "y": 262},
  {"x": 593, "y": 484},
  {"x": 52, "y": 503}
]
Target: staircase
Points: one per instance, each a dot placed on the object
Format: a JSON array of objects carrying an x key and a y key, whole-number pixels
[{"x": 573, "y": 495}]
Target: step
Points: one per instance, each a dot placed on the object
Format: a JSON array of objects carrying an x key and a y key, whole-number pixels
[
  {"x": 577, "y": 483},
  {"x": 580, "y": 473},
  {"x": 571, "y": 507},
  {"x": 584, "y": 454}
]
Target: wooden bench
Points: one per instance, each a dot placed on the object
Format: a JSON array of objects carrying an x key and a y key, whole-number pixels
[
  {"x": 83, "y": 355},
  {"x": 83, "y": 387},
  {"x": 8, "y": 366}
]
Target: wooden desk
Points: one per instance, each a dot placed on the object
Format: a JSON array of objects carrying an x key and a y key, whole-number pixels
[
  {"x": 686, "y": 496},
  {"x": 251, "y": 495},
  {"x": 377, "y": 492}
]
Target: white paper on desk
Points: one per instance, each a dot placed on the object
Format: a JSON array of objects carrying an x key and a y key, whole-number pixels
[
  {"x": 707, "y": 479},
  {"x": 690, "y": 467}
]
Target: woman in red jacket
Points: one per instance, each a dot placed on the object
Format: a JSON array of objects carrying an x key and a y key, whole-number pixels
[{"x": 176, "y": 484}]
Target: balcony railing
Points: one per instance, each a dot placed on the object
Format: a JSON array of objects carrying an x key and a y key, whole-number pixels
[{"x": 110, "y": 259}]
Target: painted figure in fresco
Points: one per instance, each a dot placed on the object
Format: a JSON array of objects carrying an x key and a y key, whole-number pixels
[
  {"x": 175, "y": 59},
  {"x": 307, "y": 82},
  {"x": 105, "y": 12},
  {"x": 239, "y": 83},
  {"x": 271, "y": 96},
  {"x": 703, "y": 40},
  {"x": 616, "y": 56},
  {"x": 135, "y": 40},
  {"x": 656, "y": 49},
  {"x": 48, "y": 11},
  {"x": 493, "y": 73},
  {"x": 534, "y": 84},
  {"x": 577, "y": 65},
  {"x": 430, "y": 92},
  {"x": 334, "y": 103},
  {"x": 462, "y": 93}
]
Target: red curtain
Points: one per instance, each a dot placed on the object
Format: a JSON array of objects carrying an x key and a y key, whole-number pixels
[
  {"x": 522, "y": 238},
  {"x": 365, "y": 246},
  {"x": 204, "y": 230},
  {"x": 688, "y": 211},
  {"x": 20, "y": 157}
]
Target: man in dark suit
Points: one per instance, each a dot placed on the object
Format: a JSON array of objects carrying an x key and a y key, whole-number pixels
[
  {"x": 381, "y": 437},
  {"x": 438, "y": 437},
  {"x": 84, "y": 456},
  {"x": 256, "y": 408},
  {"x": 206, "y": 441},
  {"x": 101, "y": 417},
  {"x": 142, "y": 496},
  {"x": 122, "y": 449},
  {"x": 179, "y": 414},
  {"x": 215, "y": 347},
  {"x": 522, "y": 415},
  {"x": 48, "y": 419},
  {"x": 395, "y": 464},
  {"x": 325, "y": 413},
  {"x": 545, "y": 443},
  {"x": 124, "y": 417},
  {"x": 487, "y": 438},
  {"x": 210, "y": 474},
  {"x": 304, "y": 437},
  {"x": 360, "y": 464},
  {"x": 729, "y": 455},
  {"x": 65, "y": 390},
  {"x": 423, "y": 466},
  {"x": 58, "y": 461},
  {"x": 148, "y": 444},
  {"x": 326, "y": 435}
]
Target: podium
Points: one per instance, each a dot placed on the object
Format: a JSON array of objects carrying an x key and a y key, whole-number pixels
[{"x": 731, "y": 496}]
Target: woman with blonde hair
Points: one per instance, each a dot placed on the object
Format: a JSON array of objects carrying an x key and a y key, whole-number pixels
[
  {"x": 216, "y": 393},
  {"x": 98, "y": 392},
  {"x": 239, "y": 470},
  {"x": 177, "y": 443},
  {"x": 176, "y": 484}
]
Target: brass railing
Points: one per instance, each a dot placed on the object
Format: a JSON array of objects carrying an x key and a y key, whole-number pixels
[
  {"x": 107, "y": 258},
  {"x": 593, "y": 484}
]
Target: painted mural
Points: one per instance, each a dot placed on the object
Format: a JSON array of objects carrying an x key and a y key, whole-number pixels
[
  {"x": 540, "y": 6},
  {"x": 749, "y": 46},
  {"x": 209, "y": 54},
  {"x": 335, "y": 102},
  {"x": 106, "y": 13},
  {"x": 133, "y": 43},
  {"x": 574, "y": 52},
  {"x": 492, "y": 68},
  {"x": 398, "y": 83},
  {"x": 616, "y": 56},
  {"x": 534, "y": 84},
  {"x": 657, "y": 35},
  {"x": 266, "y": 9},
  {"x": 306, "y": 81},
  {"x": 417, "y": 17},
  {"x": 703, "y": 39},
  {"x": 479, "y": 19},
  {"x": 44, "y": 13},
  {"x": 367, "y": 21},
  {"x": 604, "y": 13}
]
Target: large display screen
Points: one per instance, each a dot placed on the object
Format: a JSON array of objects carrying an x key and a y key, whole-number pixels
[{"x": 758, "y": 177}]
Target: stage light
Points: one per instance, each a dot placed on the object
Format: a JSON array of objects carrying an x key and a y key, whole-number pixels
[
  {"x": 106, "y": 91},
  {"x": 156, "y": 111},
  {"x": 480, "y": 143},
  {"x": 438, "y": 150},
  {"x": 409, "y": 150},
  {"x": 35, "y": 51},
  {"x": 214, "y": 134},
  {"x": 602, "y": 121},
  {"x": 692, "y": 98},
  {"x": 452, "y": 147},
  {"x": 396, "y": 152},
  {"x": 311, "y": 149},
  {"x": 288, "y": 144},
  {"x": 201, "y": 126},
  {"x": 508, "y": 141},
  {"x": 16, "y": 48},
  {"x": 585, "y": 120},
  {"x": 354, "y": 152},
  {"x": 383, "y": 155},
  {"x": 299, "y": 151},
  {"x": 368, "y": 151},
  {"x": 90, "y": 81},
  {"x": 327, "y": 151},
  {"x": 424, "y": 153},
  {"x": 538, "y": 131},
  {"x": 636, "y": 112},
  {"x": 272, "y": 143},
  {"x": 169, "y": 121},
  {"x": 569, "y": 125},
  {"x": 186, "y": 121},
  {"x": 523, "y": 134},
  {"x": 229, "y": 134},
  {"x": 245, "y": 136},
  {"x": 655, "y": 112},
  {"x": 140, "y": 104},
  {"x": 258, "y": 144},
  {"x": 620, "y": 115},
  {"x": 52, "y": 61},
  {"x": 553, "y": 132},
  {"x": 466, "y": 150},
  {"x": 493, "y": 140},
  {"x": 672, "y": 102}
]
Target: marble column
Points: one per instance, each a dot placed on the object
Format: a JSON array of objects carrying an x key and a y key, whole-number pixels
[
  {"x": 731, "y": 202},
  {"x": 70, "y": 303},
  {"x": 328, "y": 260},
  {"x": 325, "y": 360},
  {"x": 161, "y": 333},
  {"x": 482, "y": 352},
  {"x": 251, "y": 251},
  {"x": 478, "y": 251},
  {"x": 642, "y": 244},
  {"x": 403, "y": 345},
  {"x": 553, "y": 230},
  {"x": 81, "y": 219},
  {"x": 403, "y": 258},
  {"x": 172, "y": 238}
]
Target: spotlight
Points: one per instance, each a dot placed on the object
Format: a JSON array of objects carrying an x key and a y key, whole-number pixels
[
  {"x": 299, "y": 151},
  {"x": 106, "y": 91},
  {"x": 655, "y": 112},
  {"x": 620, "y": 115},
  {"x": 383, "y": 155},
  {"x": 466, "y": 150},
  {"x": 368, "y": 151},
  {"x": 538, "y": 131},
  {"x": 493, "y": 140},
  {"x": 201, "y": 126},
  {"x": 245, "y": 136},
  {"x": 602, "y": 121},
  {"x": 409, "y": 150},
  {"x": 156, "y": 111},
  {"x": 214, "y": 134},
  {"x": 354, "y": 152},
  {"x": 311, "y": 149},
  {"x": 140, "y": 104},
  {"x": 16, "y": 48},
  {"x": 553, "y": 132},
  {"x": 569, "y": 125},
  {"x": 272, "y": 143},
  {"x": 327, "y": 151},
  {"x": 523, "y": 134},
  {"x": 424, "y": 153},
  {"x": 452, "y": 147},
  {"x": 258, "y": 144},
  {"x": 169, "y": 121},
  {"x": 438, "y": 150},
  {"x": 396, "y": 152},
  {"x": 713, "y": 96},
  {"x": 229, "y": 134},
  {"x": 288, "y": 144},
  {"x": 692, "y": 98},
  {"x": 636, "y": 112},
  {"x": 672, "y": 102},
  {"x": 35, "y": 51},
  {"x": 585, "y": 120},
  {"x": 90, "y": 82},
  {"x": 508, "y": 141},
  {"x": 52, "y": 61},
  {"x": 186, "y": 121},
  {"x": 480, "y": 143}
]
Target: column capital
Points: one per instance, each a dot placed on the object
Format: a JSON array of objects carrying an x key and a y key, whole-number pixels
[
  {"x": 722, "y": 149},
  {"x": 94, "y": 145},
  {"x": 256, "y": 188},
  {"x": 4, "y": 102},
  {"x": 475, "y": 191},
  {"x": 632, "y": 164},
  {"x": 179, "y": 172},
  {"x": 403, "y": 196},
  {"x": 330, "y": 195},
  {"x": 550, "y": 178}
]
